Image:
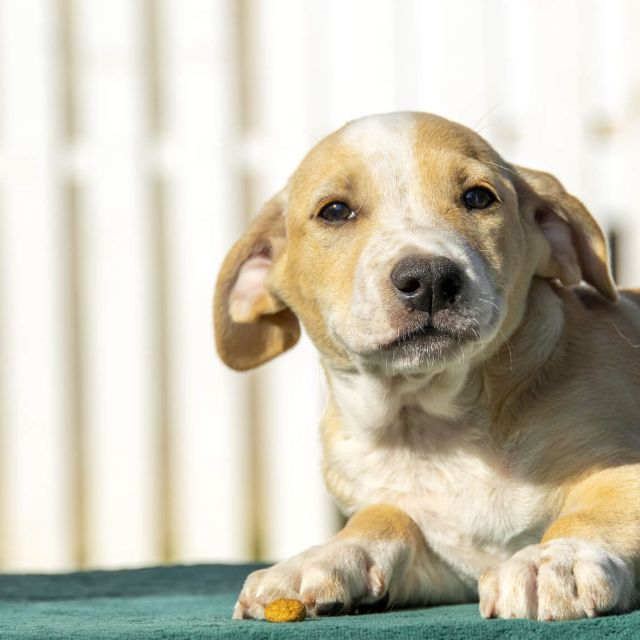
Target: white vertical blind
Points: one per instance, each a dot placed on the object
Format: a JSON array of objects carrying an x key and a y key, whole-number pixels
[
  {"x": 123, "y": 439},
  {"x": 116, "y": 311},
  {"x": 208, "y": 406},
  {"x": 34, "y": 454}
]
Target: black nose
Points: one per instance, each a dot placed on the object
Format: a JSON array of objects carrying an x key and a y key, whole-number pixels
[{"x": 427, "y": 283}]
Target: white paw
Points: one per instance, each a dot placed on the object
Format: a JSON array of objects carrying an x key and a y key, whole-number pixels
[
  {"x": 560, "y": 580},
  {"x": 330, "y": 579}
]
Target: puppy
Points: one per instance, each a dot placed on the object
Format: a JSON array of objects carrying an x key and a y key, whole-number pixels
[{"x": 482, "y": 430}]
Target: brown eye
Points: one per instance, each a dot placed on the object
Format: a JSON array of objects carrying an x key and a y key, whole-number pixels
[
  {"x": 478, "y": 198},
  {"x": 336, "y": 213}
]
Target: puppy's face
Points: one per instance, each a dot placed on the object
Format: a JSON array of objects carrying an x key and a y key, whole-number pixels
[
  {"x": 404, "y": 240},
  {"x": 403, "y": 243}
]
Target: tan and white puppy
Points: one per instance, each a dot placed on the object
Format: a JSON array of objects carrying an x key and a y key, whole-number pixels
[{"x": 483, "y": 424}]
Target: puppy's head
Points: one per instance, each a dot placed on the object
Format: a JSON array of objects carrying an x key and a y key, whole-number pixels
[{"x": 403, "y": 242}]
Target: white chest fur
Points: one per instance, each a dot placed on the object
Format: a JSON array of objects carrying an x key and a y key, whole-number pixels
[{"x": 469, "y": 500}]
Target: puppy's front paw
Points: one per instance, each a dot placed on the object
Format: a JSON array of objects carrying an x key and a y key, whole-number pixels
[
  {"x": 329, "y": 579},
  {"x": 559, "y": 580}
]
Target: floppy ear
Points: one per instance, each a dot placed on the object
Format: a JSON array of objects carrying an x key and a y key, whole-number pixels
[
  {"x": 252, "y": 325},
  {"x": 578, "y": 246}
]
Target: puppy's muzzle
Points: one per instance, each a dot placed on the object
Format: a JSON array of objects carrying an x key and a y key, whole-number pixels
[{"x": 427, "y": 283}]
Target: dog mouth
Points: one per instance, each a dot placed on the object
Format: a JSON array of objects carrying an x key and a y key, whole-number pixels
[
  {"x": 425, "y": 334},
  {"x": 435, "y": 330},
  {"x": 412, "y": 340}
]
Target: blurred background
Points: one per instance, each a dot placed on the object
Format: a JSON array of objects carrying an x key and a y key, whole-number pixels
[{"x": 137, "y": 137}]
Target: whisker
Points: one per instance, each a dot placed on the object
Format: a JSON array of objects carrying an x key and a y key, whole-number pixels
[{"x": 501, "y": 166}]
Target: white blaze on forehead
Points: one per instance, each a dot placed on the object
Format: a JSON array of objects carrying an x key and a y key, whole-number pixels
[{"x": 386, "y": 143}]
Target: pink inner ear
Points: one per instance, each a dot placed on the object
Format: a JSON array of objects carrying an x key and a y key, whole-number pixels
[
  {"x": 563, "y": 264},
  {"x": 248, "y": 293}
]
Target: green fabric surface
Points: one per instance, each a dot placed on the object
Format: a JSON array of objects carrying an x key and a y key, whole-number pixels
[{"x": 196, "y": 602}]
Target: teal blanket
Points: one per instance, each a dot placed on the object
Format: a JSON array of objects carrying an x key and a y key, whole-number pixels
[{"x": 196, "y": 602}]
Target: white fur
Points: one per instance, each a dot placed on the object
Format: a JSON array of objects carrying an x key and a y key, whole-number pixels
[
  {"x": 350, "y": 571},
  {"x": 439, "y": 470},
  {"x": 559, "y": 580},
  {"x": 341, "y": 571}
]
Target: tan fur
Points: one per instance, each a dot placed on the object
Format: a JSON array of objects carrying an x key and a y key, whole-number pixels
[
  {"x": 383, "y": 522},
  {"x": 590, "y": 243},
  {"x": 605, "y": 508},
  {"x": 511, "y": 455}
]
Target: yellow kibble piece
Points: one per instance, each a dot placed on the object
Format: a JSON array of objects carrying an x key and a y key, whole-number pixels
[{"x": 285, "y": 610}]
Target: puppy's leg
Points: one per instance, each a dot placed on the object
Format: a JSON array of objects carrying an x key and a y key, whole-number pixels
[
  {"x": 586, "y": 562},
  {"x": 377, "y": 558}
]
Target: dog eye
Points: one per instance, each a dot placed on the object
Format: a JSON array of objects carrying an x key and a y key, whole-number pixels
[
  {"x": 336, "y": 212},
  {"x": 478, "y": 198}
]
